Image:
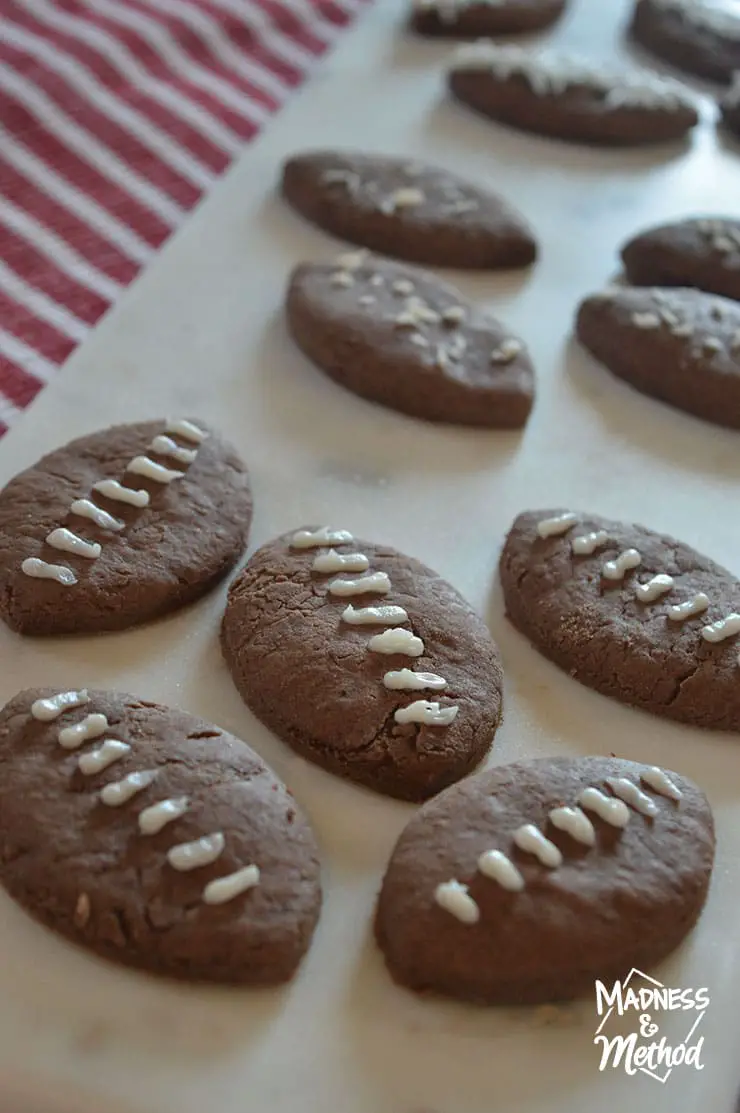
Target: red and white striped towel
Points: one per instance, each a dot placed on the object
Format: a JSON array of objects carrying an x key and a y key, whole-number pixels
[{"x": 115, "y": 117}]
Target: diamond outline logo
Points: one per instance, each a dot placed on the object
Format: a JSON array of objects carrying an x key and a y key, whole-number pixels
[{"x": 634, "y": 972}]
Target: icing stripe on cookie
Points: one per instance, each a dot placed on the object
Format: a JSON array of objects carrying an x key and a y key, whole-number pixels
[
  {"x": 157, "y": 816},
  {"x": 314, "y": 539},
  {"x": 84, "y": 508},
  {"x": 193, "y": 855},
  {"x": 117, "y": 793},
  {"x": 373, "y": 616},
  {"x": 112, "y": 489},
  {"x": 377, "y": 583},
  {"x": 340, "y": 562},
  {"x": 224, "y": 889},
  {"x": 495, "y": 865},
  {"x": 406, "y": 680},
  {"x": 40, "y": 570},
  {"x": 46, "y": 710},
  {"x": 92, "y": 726},
  {"x": 454, "y": 898},
  {"x": 429, "y": 714},
  {"x": 397, "y": 640},
  {"x": 186, "y": 430},
  {"x": 148, "y": 469}
]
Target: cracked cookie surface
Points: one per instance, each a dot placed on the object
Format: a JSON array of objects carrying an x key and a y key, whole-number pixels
[
  {"x": 88, "y": 870},
  {"x": 600, "y": 631},
  {"x": 312, "y": 677},
  {"x": 121, "y": 562},
  {"x": 621, "y": 894}
]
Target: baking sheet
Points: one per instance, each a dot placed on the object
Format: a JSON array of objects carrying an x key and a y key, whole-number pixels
[{"x": 201, "y": 333}]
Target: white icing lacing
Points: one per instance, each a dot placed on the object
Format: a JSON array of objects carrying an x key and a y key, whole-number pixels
[
  {"x": 689, "y": 608},
  {"x": 430, "y": 714},
  {"x": 118, "y": 793},
  {"x": 588, "y": 543},
  {"x": 39, "y": 570},
  {"x": 454, "y": 898},
  {"x": 654, "y": 588},
  {"x": 530, "y": 839},
  {"x": 165, "y": 446},
  {"x": 410, "y": 681},
  {"x": 84, "y": 508},
  {"x": 50, "y": 708},
  {"x": 626, "y": 790},
  {"x": 373, "y": 616},
  {"x": 148, "y": 469},
  {"x": 92, "y": 726},
  {"x": 152, "y": 819},
  {"x": 340, "y": 562},
  {"x": 574, "y": 822},
  {"x": 186, "y": 430},
  {"x": 157, "y": 816},
  {"x": 396, "y": 639},
  {"x": 555, "y": 527},
  {"x": 376, "y": 583},
  {"x": 317, "y": 538},
  {"x": 618, "y": 568},
  {"x": 497, "y": 867},
  {"x": 725, "y": 628},
  {"x": 188, "y": 856},
  {"x": 66, "y": 541},
  {"x": 97, "y": 760},
  {"x": 226, "y": 888}
]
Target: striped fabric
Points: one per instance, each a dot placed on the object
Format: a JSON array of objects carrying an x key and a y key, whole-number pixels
[{"x": 115, "y": 117}]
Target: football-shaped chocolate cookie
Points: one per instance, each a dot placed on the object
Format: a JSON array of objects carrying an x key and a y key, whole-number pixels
[
  {"x": 363, "y": 660},
  {"x": 407, "y": 209},
  {"x": 634, "y": 614},
  {"x": 120, "y": 527},
  {"x": 679, "y": 345},
  {"x": 153, "y": 838},
  {"x": 703, "y": 252},
  {"x": 476, "y": 19},
  {"x": 567, "y": 98},
  {"x": 528, "y": 882},
  {"x": 698, "y": 37},
  {"x": 406, "y": 339}
]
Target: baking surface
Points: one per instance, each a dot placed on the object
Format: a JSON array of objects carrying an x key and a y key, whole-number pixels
[{"x": 202, "y": 333}]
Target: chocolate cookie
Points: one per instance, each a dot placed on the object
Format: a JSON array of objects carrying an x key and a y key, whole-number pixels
[
  {"x": 681, "y": 346},
  {"x": 364, "y": 661},
  {"x": 568, "y": 98},
  {"x": 700, "y": 38},
  {"x": 703, "y": 252},
  {"x": 120, "y": 527},
  {"x": 530, "y": 881},
  {"x": 406, "y": 339},
  {"x": 153, "y": 838},
  {"x": 634, "y": 614},
  {"x": 476, "y": 19},
  {"x": 408, "y": 210}
]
